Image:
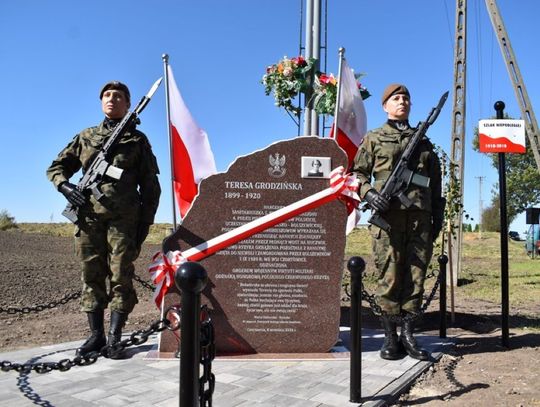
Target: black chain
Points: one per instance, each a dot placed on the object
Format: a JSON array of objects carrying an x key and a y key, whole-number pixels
[
  {"x": 64, "y": 300},
  {"x": 377, "y": 310},
  {"x": 207, "y": 381},
  {"x": 143, "y": 283},
  {"x": 41, "y": 307},
  {"x": 136, "y": 338}
]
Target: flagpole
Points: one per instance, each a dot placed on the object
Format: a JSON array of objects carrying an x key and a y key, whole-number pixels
[
  {"x": 165, "y": 58},
  {"x": 338, "y": 95}
]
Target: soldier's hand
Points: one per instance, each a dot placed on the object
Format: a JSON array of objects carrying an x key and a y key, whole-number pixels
[
  {"x": 72, "y": 194},
  {"x": 142, "y": 232},
  {"x": 376, "y": 201}
]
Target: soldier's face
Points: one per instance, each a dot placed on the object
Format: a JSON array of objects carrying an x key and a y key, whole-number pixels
[
  {"x": 114, "y": 104},
  {"x": 398, "y": 107}
]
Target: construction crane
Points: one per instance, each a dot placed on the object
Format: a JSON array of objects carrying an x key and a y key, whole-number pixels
[{"x": 527, "y": 113}]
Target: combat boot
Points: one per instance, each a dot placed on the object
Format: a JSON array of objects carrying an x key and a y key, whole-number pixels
[
  {"x": 118, "y": 320},
  {"x": 408, "y": 341},
  {"x": 392, "y": 348},
  {"x": 96, "y": 340}
]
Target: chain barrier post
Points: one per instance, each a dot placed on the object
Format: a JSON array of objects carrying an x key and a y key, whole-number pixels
[
  {"x": 190, "y": 278},
  {"x": 499, "y": 108},
  {"x": 356, "y": 266},
  {"x": 443, "y": 260}
]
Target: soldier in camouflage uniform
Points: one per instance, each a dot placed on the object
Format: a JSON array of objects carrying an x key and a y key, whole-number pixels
[
  {"x": 402, "y": 255},
  {"x": 110, "y": 232}
]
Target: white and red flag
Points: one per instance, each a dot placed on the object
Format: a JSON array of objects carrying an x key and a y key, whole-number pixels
[
  {"x": 351, "y": 122},
  {"x": 351, "y": 115},
  {"x": 192, "y": 157}
]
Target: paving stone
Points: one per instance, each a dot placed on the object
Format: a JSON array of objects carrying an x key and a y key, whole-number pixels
[{"x": 138, "y": 382}]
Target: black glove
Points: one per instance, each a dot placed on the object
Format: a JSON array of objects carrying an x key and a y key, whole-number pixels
[
  {"x": 142, "y": 232},
  {"x": 72, "y": 194},
  {"x": 376, "y": 201}
]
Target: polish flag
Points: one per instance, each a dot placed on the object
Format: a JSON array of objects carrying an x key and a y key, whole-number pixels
[
  {"x": 352, "y": 126},
  {"x": 352, "y": 119},
  {"x": 192, "y": 157}
]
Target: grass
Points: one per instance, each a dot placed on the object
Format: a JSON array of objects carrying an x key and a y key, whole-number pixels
[{"x": 480, "y": 277}]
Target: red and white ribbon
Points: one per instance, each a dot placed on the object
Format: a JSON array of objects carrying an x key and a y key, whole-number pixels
[{"x": 163, "y": 267}]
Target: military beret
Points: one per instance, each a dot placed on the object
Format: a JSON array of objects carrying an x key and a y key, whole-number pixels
[
  {"x": 116, "y": 85},
  {"x": 394, "y": 89}
]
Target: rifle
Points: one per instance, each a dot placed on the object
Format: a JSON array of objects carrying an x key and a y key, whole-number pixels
[
  {"x": 401, "y": 176},
  {"x": 94, "y": 175}
]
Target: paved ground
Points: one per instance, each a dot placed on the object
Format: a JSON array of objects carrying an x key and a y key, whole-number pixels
[{"x": 141, "y": 380}]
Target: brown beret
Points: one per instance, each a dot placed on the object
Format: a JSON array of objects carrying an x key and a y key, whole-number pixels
[
  {"x": 394, "y": 89},
  {"x": 116, "y": 86}
]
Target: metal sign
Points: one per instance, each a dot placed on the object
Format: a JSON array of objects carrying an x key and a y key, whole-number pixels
[{"x": 501, "y": 136}]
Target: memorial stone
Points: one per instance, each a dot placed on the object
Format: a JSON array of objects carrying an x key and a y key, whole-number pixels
[{"x": 277, "y": 291}]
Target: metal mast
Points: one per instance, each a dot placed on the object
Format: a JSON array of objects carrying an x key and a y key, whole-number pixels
[
  {"x": 313, "y": 50},
  {"x": 527, "y": 114},
  {"x": 457, "y": 151}
]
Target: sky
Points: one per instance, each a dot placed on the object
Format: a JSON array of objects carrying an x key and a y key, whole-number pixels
[{"x": 56, "y": 55}]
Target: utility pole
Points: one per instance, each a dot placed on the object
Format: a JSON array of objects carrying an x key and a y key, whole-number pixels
[
  {"x": 527, "y": 113},
  {"x": 480, "y": 205},
  {"x": 457, "y": 152}
]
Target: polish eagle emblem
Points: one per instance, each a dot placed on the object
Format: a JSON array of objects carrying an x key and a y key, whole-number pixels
[{"x": 277, "y": 163}]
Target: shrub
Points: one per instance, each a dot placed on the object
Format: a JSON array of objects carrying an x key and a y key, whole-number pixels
[{"x": 7, "y": 221}]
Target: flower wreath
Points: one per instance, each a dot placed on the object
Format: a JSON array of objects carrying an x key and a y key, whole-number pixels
[{"x": 291, "y": 76}]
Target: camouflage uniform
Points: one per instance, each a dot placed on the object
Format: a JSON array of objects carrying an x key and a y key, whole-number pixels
[
  {"x": 402, "y": 255},
  {"x": 106, "y": 236}
]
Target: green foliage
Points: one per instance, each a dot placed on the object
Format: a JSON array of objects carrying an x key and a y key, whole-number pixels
[
  {"x": 7, "y": 221},
  {"x": 522, "y": 179},
  {"x": 451, "y": 192},
  {"x": 491, "y": 218},
  {"x": 325, "y": 93},
  {"x": 291, "y": 76},
  {"x": 287, "y": 79}
]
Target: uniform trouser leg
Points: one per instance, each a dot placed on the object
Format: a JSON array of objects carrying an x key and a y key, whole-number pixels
[
  {"x": 107, "y": 249},
  {"x": 402, "y": 257},
  {"x": 123, "y": 253},
  {"x": 92, "y": 249}
]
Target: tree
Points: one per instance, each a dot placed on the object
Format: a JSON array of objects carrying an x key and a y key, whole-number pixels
[
  {"x": 491, "y": 220},
  {"x": 522, "y": 179}
]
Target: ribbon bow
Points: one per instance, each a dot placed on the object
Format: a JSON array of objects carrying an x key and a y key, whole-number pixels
[
  {"x": 162, "y": 271},
  {"x": 342, "y": 186}
]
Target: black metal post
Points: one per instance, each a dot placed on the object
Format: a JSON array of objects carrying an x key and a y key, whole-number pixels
[
  {"x": 356, "y": 266},
  {"x": 190, "y": 278},
  {"x": 499, "y": 108},
  {"x": 443, "y": 260}
]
